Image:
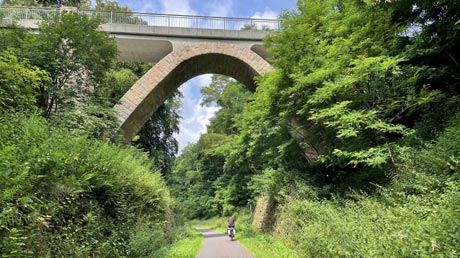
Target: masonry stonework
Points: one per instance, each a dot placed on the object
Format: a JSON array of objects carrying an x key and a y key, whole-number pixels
[{"x": 187, "y": 60}]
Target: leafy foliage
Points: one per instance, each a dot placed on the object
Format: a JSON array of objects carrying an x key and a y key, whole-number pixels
[
  {"x": 68, "y": 196},
  {"x": 201, "y": 179},
  {"x": 352, "y": 87},
  {"x": 61, "y": 193},
  {"x": 19, "y": 82},
  {"x": 213, "y": 92},
  {"x": 414, "y": 217},
  {"x": 371, "y": 228},
  {"x": 354, "y": 133},
  {"x": 356, "y": 87},
  {"x": 191, "y": 181},
  {"x": 73, "y": 91},
  {"x": 45, "y": 3},
  {"x": 108, "y": 5},
  {"x": 157, "y": 135},
  {"x": 80, "y": 56}
]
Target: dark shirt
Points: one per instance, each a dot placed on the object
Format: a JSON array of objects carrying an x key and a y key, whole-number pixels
[{"x": 231, "y": 222}]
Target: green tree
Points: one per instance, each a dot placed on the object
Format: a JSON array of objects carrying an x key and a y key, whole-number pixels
[
  {"x": 191, "y": 181},
  {"x": 212, "y": 92},
  {"x": 60, "y": 2},
  {"x": 78, "y": 54},
  {"x": 157, "y": 135},
  {"x": 431, "y": 39},
  {"x": 213, "y": 185},
  {"x": 230, "y": 96},
  {"x": 18, "y": 3},
  {"x": 20, "y": 83},
  {"x": 23, "y": 42},
  {"x": 66, "y": 53},
  {"x": 107, "y": 5},
  {"x": 345, "y": 86}
]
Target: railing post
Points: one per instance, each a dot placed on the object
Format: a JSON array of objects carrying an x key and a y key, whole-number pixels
[
  {"x": 27, "y": 13},
  {"x": 111, "y": 16}
]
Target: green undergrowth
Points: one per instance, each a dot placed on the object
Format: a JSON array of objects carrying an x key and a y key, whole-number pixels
[
  {"x": 68, "y": 196},
  {"x": 187, "y": 244},
  {"x": 372, "y": 228},
  {"x": 415, "y": 216}
]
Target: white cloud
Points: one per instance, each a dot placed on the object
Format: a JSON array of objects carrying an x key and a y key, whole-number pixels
[
  {"x": 266, "y": 14},
  {"x": 195, "y": 118},
  {"x": 143, "y": 6},
  {"x": 177, "y": 7},
  {"x": 203, "y": 80},
  {"x": 149, "y": 8},
  {"x": 220, "y": 8}
]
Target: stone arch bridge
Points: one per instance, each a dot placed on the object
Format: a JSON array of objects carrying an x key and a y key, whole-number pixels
[
  {"x": 186, "y": 61},
  {"x": 181, "y": 46}
]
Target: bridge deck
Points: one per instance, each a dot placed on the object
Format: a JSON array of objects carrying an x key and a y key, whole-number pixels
[
  {"x": 148, "y": 19},
  {"x": 149, "y": 37}
]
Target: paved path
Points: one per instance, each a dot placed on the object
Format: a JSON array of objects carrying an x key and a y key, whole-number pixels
[{"x": 218, "y": 245}]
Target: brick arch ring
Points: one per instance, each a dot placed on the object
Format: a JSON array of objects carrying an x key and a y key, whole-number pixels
[{"x": 187, "y": 60}]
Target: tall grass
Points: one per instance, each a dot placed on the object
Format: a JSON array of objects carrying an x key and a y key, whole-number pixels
[
  {"x": 372, "y": 228},
  {"x": 416, "y": 216},
  {"x": 67, "y": 196},
  {"x": 187, "y": 245}
]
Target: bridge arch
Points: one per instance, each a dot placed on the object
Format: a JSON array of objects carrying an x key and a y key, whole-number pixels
[{"x": 187, "y": 60}]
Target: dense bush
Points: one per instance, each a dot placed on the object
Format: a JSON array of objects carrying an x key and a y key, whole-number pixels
[
  {"x": 370, "y": 228},
  {"x": 67, "y": 196},
  {"x": 19, "y": 82},
  {"x": 62, "y": 194},
  {"x": 416, "y": 216}
]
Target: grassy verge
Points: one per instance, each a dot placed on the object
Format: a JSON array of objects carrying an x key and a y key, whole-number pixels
[
  {"x": 261, "y": 246},
  {"x": 187, "y": 246}
]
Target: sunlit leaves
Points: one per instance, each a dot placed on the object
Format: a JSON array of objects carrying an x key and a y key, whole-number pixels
[
  {"x": 58, "y": 189},
  {"x": 20, "y": 83},
  {"x": 77, "y": 56},
  {"x": 374, "y": 156},
  {"x": 344, "y": 77}
]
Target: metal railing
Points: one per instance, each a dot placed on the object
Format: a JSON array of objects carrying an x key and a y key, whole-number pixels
[{"x": 147, "y": 19}]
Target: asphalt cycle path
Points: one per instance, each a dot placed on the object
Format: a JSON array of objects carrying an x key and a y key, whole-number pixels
[{"x": 218, "y": 245}]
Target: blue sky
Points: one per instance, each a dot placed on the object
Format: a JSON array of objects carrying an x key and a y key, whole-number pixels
[
  {"x": 233, "y": 8},
  {"x": 194, "y": 117}
]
